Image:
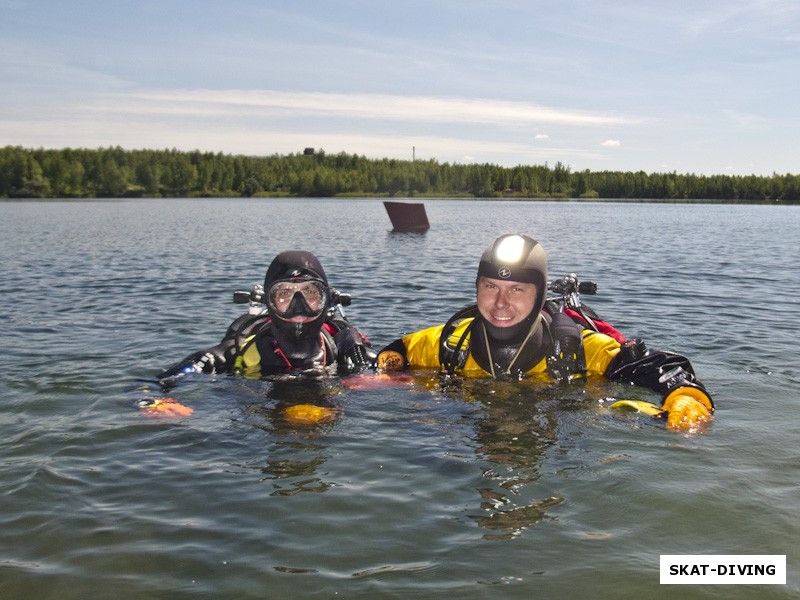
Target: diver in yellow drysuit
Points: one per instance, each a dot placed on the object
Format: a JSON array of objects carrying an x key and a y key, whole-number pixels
[{"x": 511, "y": 332}]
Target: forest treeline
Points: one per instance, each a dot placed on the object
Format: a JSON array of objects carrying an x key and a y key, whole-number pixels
[{"x": 115, "y": 172}]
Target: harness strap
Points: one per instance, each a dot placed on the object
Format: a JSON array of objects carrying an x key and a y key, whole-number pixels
[
  {"x": 326, "y": 342},
  {"x": 451, "y": 358},
  {"x": 566, "y": 361}
]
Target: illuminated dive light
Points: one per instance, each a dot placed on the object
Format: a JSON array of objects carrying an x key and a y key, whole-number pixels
[{"x": 509, "y": 250}]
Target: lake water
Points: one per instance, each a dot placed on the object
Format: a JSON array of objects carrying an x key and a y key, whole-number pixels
[{"x": 491, "y": 490}]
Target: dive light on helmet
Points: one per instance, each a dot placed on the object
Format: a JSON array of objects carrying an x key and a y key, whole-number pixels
[{"x": 509, "y": 249}]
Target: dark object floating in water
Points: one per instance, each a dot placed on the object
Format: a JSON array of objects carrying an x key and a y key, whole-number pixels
[{"x": 406, "y": 216}]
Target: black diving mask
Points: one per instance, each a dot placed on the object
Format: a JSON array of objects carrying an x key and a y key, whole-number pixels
[{"x": 290, "y": 298}]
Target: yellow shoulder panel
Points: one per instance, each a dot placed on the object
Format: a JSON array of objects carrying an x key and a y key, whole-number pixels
[{"x": 600, "y": 349}]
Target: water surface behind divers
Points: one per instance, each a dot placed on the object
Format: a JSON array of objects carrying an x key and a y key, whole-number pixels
[{"x": 522, "y": 490}]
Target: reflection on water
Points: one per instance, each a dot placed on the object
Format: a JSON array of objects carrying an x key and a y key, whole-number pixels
[
  {"x": 510, "y": 426},
  {"x": 517, "y": 425},
  {"x": 299, "y": 441},
  {"x": 300, "y": 474},
  {"x": 511, "y": 521}
]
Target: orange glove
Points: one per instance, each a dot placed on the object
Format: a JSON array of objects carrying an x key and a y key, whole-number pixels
[
  {"x": 391, "y": 361},
  {"x": 164, "y": 408},
  {"x": 687, "y": 409}
]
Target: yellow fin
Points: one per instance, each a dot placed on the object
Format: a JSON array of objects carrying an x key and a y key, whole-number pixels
[
  {"x": 647, "y": 408},
  {"x": 308, "y": 414}
]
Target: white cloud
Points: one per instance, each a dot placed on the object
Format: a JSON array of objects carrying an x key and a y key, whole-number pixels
[
  {"x": 364, "y": 106},
  {"x": 239, "y": 138},
  {"x": 541, "y": 136},
  {"x": 611, "y": 144}
]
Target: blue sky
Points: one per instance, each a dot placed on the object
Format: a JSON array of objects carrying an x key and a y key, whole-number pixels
[{"x": 707, "y": 87}]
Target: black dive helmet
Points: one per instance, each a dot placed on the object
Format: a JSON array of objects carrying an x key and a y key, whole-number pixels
[
  {"x": 297, "y": 293},
  {"x": 516, "y": 257}
]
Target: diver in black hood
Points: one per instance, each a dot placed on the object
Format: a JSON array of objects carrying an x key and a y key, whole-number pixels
[
  {"x": 298, "y": 298},
  {"x": 297, "y": 329},
  {"x": 513, "y": 331}
]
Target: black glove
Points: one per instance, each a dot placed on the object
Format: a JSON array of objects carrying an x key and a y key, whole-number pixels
[
  {"x": 203, "y": 361},
  {"x": 566, "y": 360},
  {"x": 353, "y": 351}
]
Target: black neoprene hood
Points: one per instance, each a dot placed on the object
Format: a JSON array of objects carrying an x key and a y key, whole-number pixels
[{"x": 293, "y": 264}]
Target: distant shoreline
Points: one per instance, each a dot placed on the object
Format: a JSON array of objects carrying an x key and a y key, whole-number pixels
[
  {"x": 117, "y": 173},
  {"x": 414, "y": 198}
]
